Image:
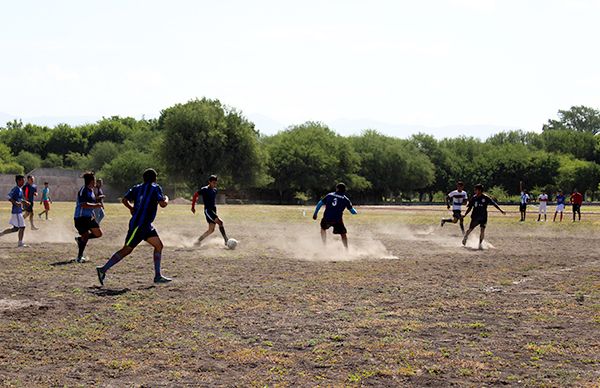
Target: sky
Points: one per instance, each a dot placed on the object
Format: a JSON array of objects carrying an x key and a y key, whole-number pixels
[{"x": 447, "y": 67}]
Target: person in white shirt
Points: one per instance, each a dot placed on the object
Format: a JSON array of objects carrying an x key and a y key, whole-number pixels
[
  {"x": 543, "y": 200},
  {"x": 456, "y": 198}
]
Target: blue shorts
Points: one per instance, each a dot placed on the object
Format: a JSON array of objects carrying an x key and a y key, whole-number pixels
[{"x": 139, "y": 234}]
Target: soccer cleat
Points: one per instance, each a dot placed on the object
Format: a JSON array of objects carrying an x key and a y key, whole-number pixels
[
  {"x": 101, "y": 275},
  {"x": 162, "y": 279},
  {"x": 81, "y": 260},
  {"x": 34, "y": 228},
  {"x": 481, "y": 247},
  {"x": 22, "y": 245}
]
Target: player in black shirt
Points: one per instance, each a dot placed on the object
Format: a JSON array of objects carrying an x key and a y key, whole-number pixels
[
  {"x": 209, "y": 198},
  {"x": 479, "y": 203}
]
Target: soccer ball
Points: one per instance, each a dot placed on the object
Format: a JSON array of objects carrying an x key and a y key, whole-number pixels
[{"x": 232, "y": 243}]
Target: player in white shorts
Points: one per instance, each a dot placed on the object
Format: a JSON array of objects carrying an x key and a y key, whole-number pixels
[
  {"x": 458, "y": 197},
  {"x": 543, "y": 200}
]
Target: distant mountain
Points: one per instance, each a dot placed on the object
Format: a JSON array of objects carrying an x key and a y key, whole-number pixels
[{"x": 49, "y": 121}]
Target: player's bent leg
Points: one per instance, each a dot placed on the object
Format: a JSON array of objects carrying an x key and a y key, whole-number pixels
[
  {"x": 222, "y": 229},
  {"x": 345, "y": 240},
  {"x": 157, "y": 256},
  {"x": 9, "y": 230},
  {"x": 466, "y": 236},
  {"x": 481, "y": 237},
  {"x": 95, "y": 233}
]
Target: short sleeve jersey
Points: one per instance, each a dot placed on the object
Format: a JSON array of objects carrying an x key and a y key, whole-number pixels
[
  {"x": 543, "y": 198},
  {"x": 85, "y": 195},
  {"x": 334, "y": 206},
  {"x": 524, "y": 198},
  {"x": 29, "y": 191},
  {"x": 16, "y": 194},
  {"x": 560, "y": 199},
  {"x": 45, "y": 194},
  {"x": 145, "y": 198},
  {"x": 209, "y": 197},
  {"x": 479, "y": 205},
  {"x": 457, "y": 198},
  {"x": 577, "y": 198}
]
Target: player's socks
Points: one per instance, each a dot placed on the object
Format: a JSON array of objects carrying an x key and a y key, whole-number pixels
[
  {"x": 157, "y": 258},
  {"x": 81, "y": 245},
  {"x": 115, "y": 258},
  {"x": 222, "y": 230}
]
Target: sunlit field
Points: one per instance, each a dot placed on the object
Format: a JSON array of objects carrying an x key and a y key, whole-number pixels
[{"x": 406, "y": 305}]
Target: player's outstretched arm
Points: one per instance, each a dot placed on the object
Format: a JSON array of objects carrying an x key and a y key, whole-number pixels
[
  {"x": 496, "y": 206},
  {"x": 194, "y": 200},
  {"x": 319, "y": 204}
]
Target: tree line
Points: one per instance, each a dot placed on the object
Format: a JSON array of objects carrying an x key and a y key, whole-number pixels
[{"x": 192, "y": 140}]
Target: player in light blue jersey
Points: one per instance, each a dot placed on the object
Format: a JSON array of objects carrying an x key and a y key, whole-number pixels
[{"x": 335, "y": 204}]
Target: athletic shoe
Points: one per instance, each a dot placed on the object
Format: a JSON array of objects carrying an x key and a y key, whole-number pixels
[
  {"x": 481, "y": 247},
  {"x": 162, "y": 279},
  {"x": 101, "y": 275},
  {"x": 442, "y": 223},
  {"x": 34, "y": 228},
  {"x": 22, "y": 245},
  {"x": 81, "y": 260}
]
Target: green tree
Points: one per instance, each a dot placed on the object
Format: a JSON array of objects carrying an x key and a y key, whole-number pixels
[
  {"x": 101, "y": 154},
  {"x": 202, "y": 137},
  {"x": 64, "y": 139},
  {"x": 8, "y": 164},
  {"x": 126, "y": 169},
  {"x": 52, "y": 161},
  {"x": 578, "y": 118},
  {"x": 28, "y": 160}
]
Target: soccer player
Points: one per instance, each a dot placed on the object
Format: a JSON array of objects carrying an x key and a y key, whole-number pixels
[
  {"x": 142, "y": 200},
  {"x": 523, "y": 204},
  {"x": 560, "y": 205},
  {"x": 86, "y": 225},
  {"x": 46, "y": 200},
  {"x": 209, "y": 198},
  {"x": 99, "y": 194},
  {"x": 479, "y": 203},
  {"x": 458, "y": 198},
  {"x": 17, "y": 198},
  {"x": 543, "y": 201},
  {"x": 335, "y": 204},
  {"x": 576, "y": 200},
  {"x": 30, "y": 192}
]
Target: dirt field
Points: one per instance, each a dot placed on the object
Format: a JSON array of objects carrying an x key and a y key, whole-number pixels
[{"x": 406, "y": 306}]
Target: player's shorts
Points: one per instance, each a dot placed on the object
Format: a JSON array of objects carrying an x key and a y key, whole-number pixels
[
  {"x": 139, "y": 234},
  {"x": 576, "y": 208},
  {"x": 338, "y": 226},
  {"x": 456, "y": 214},
  {"x": 28, "y": 208},
  {"x": 560, "y": 208},
  {"x": 523, "y": 207},
  {"x": 481, "y": 222},
  {"x": 47, "y": 205},
  {"x": 211, "y": 216},
  {"x": 17, "y": 220},
  {"x": 85, "y": 224},
  {"x": 542, "y": 208}
]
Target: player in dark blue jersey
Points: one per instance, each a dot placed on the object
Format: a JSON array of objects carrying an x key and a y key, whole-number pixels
[
  {"x": 335, "y": 204},
  {"x": 86, "y": 225},
  {"x": 209, "y": 198},
  {"x": 142, "y": 201},
  {"x": 30, "y": 192},
  {"x": 479, "y": 203},
  {"x": 18, "y": 200}
]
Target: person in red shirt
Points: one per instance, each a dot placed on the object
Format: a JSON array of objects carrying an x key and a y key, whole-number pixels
[{"x": 576, "y": 201}]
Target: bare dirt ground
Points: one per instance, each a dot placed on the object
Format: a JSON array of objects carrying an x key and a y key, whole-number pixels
[{"x": 406, "y": 306}]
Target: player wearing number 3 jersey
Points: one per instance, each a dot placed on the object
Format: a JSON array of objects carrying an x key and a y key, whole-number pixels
[{"x": 335, "y": 204}]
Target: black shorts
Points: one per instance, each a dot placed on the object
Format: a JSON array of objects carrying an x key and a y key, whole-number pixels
[
  {"x": 456, "y": 214},
  {"x": 211, "y": 216},
  {"x": 338, "y": 226},
  {"x": 482, "y": 222},
  {"x": 576, "y": 208},
  {"x": 85, "y": 224},
  {"x": 139, "y": 234},
  {"x": 28, "y": 208},
  {"x": 523, "y": 207}
]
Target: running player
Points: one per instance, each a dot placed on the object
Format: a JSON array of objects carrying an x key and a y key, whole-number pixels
[
  {"x": 30, "y": 192},
  {"x": 543, "y": 201},
  {"x": 46, "y": 200},
  {"x": 142, "y": 200},
  {"x": 479, "y": 203},
  {"x": 18, "y": 200},
  {"x": 209, "y": 198},
  {"x": 335, "y": 204},
  {"x": 560, "y": 205},
  {"x": 99, "y": 194},
  {"x": 86, "y": 225},
  {"x": 576, "y": 200},
  {"x": 458, "y": 198}
]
